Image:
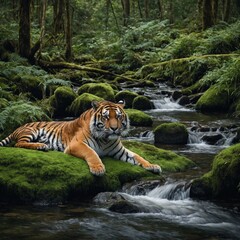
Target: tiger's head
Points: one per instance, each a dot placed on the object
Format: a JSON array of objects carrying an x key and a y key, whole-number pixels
[{"x": 109, "y": 120}]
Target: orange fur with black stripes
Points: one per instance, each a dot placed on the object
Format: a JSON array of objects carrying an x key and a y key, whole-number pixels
[{"x": 94, "y": 134}]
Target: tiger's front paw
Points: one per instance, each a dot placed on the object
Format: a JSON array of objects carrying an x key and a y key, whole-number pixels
[
  {"x": 153, "y": 168},
  {"x": 98, "y": 170}
]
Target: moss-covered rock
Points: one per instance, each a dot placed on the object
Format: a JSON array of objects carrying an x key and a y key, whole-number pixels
[
  {"x": 223, "y": 181},
  {"x": 171, "y": 133},
  {"x": 142, "y": 103},
  {"x": 83, "y": 103},
  {"x": 102, "y": 90},
  {"x": 28, "y": 84},
  {"x": 126, "y": 95},
  {"x": 62, "y": 100},
  {"x": 30, "y": 176},
  {"x": 139, "y": 118},
  {"x": 215, "y": 99}
]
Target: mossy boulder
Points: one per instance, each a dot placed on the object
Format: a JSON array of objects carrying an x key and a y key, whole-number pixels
[
  {"x": 102, "y": 90},
  {"x": 139, "y": 118},
  {"x": 62, "y": 100},
  {"x": 171, "y": 133},
  {"x": 28, "y": 84},
  {"x": 83, "y": 103},
  {"x": 215, "y": 99},
  {"x": 223, "y": 181},
  {"x": 28, "y": 176},
  {"x": 142, "y": 103},
  {"x": 126, "y": 95}
]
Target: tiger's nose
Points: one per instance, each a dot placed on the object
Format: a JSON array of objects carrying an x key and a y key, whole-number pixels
[{"x": 114, "y": 128}]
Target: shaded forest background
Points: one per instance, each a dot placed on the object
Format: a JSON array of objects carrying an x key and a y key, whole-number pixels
[{"x": 46, "y": 44}]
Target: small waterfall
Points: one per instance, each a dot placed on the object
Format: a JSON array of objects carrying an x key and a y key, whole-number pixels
[
  {"x": 166, "y": 104},
  {"x": 171, "y": 203},
  {"x": 171, "y": 191}
]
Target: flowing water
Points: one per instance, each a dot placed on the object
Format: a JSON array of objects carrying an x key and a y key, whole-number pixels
[{"x": 167, "y": 212}]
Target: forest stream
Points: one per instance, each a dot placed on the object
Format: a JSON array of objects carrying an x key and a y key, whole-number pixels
[{"x": 167, "y": 211}]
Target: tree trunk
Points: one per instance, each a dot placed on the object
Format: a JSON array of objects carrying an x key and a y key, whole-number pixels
[
  {"x": 160, "y": 9},
  {"x": 44, "y": 7},
  {"x": 68, "y": 53},
  {"x": 215, "y": 10},
  {"x": 126, "y": 11},
  {"x": 139, "y": 9},
  {"x": 107, "y": 13},
  {"x": 24, "y": 28},
  {"x": 146, "y": 8},
  {"x": 171, "y": 14},
  {"x": 226, "y": 10},
  {"x": 58, "y": 21},
  {"x": 207, "y": 14}
]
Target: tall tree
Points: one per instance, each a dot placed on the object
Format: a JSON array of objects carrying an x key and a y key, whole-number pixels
[
  {"x": 146, "y": 8},
  {"x": 68, "y": 53},
  {"x": 24, "y": 28},
  {"x": 126, "y": 11},
  {"x": 160, "y": 9},
  {"x": 207, "y": 14},
  {"x": 58, "y": 16},
  {"x": 44, "y": 7},
  {"x": 226, "y": 10}
]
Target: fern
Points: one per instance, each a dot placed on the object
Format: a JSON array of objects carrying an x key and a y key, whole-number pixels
[{"x": 20, "y": 112}]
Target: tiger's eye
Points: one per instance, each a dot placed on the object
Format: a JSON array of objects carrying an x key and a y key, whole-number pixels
[{"x": 100, "y": 125}]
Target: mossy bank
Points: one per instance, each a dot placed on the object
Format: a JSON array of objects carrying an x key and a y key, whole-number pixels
[
  {"x": 29, "y": 176},
  {"x": 223, "y": 181}
]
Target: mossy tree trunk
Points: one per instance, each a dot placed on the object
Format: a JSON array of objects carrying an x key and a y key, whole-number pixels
[
  {"x": 207, "y": 14},
  {"x": 171, "y": 13},
  {"x": 140, "y": 9},
  {"x": 24, "y": 28}
]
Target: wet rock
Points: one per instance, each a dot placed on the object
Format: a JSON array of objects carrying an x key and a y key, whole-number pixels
[
  {"x": 141, "y": 188},
  {"x": 176, "y": 95},
  {"x": 195, "y": 97},
  {"x": 236, "y": 139},
  {"x": 171, "y": 133},
  {"x": 184, "y": 100},
  {"x": 108, "y": 198},
  {"x": 212, "y": 139},
  {"x": 204, "y": 129},
  {"x": 124, "y": 207}
]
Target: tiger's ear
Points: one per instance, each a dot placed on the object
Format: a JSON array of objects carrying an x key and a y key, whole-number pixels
[
  {"x": 122, "y": 103},
  {"x": 95, "y": 105}
]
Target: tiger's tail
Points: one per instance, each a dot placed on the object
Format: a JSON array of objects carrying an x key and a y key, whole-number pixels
[{"x": 6, "y": 141}]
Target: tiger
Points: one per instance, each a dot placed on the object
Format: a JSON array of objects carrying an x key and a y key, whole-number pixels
[{"x": 95, "y": 133}]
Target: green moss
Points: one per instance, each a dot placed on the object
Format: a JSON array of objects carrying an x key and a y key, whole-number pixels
[
  {"x": 142, "y": 103},
  {"x": 28, "y": 175},
  {"x": 223, "y": 180},
  {"x": 61, "y": 100},
  {"x": 28, "y": 84},
  {"x": 215, "y": 99},
  {"x": 126, "y": 95},
  {"x": 82, "y": 103},
  {"x": 139, "y": 118},
  {"x": 102, "y": 90},
  {"x": 171, "y": 133}
]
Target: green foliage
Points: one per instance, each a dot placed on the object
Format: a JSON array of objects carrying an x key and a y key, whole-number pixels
[{"x": 17, "y": 113}]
